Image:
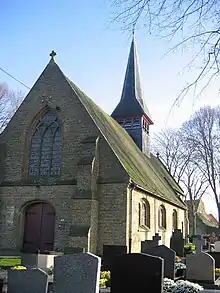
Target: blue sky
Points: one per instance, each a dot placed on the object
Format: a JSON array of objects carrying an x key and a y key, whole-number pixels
[{"x": 93, "y": 54}]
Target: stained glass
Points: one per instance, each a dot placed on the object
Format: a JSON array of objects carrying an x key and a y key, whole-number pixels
[{"x": 45, "y": 148}]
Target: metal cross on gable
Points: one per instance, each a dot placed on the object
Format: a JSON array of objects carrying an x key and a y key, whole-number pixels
[
  {"x": 199, "y": 242},
  {"x": 53, "y": 54}
]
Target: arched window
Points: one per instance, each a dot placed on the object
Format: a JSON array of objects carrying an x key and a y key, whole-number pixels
[
  {"x": 175, "y": 220},
  {"x": 146, "y": 213},
  {"x": 162, "y": 217},
  {"x": 45, "y": 147},
  {"x": 139, "y": 214}
]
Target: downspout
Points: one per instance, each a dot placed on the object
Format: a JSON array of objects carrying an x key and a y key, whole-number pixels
[{"x": 131, "y": 187}]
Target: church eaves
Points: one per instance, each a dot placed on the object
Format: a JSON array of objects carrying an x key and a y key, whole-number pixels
[{"x": 132, "y": 103}]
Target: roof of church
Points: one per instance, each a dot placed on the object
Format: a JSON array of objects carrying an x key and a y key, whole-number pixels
[
  {"x": 207, "y": 219},
  {"x": 146, "y": 172},
  {"x": 132, "y": 103}
]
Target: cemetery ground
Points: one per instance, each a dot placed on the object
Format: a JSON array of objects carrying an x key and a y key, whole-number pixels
[{"x": 156, "y": 268}]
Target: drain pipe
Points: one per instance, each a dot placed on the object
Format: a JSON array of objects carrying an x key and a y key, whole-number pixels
[{"x": 131, "y": 187}]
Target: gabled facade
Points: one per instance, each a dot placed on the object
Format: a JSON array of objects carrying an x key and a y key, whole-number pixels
[
  {"x": 71, "y": 176},
  {"x": 131, "y": 112},
  {"x": 204, "y": 223}
]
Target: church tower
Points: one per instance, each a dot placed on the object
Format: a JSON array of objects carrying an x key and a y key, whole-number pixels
[{"x": 131, "y": 112}]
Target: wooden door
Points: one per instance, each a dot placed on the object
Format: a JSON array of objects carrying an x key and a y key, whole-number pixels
[{"x": 39, "y": 228}]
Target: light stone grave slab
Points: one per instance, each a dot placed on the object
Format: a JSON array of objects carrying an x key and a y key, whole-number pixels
[{"x": 77, "y": 273}]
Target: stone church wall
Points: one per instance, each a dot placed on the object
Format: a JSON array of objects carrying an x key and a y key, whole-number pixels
[
  {"x": 141, "y": 233},
  {"x": 112, "y": 215},
  {"x": 90, "y": 172},
  {"x": 15, "y": 198}
]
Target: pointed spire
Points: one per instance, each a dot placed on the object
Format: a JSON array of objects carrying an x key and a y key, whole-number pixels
[{"x": 132, "y": 103}]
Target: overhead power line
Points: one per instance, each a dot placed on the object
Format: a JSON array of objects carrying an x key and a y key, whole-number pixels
[{"x": 14, "y": 78}]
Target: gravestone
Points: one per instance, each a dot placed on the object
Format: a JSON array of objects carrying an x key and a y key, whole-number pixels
[
  {"x": 137, "y": 272},
  {"x": 40, "y": 261},
  {"x": 26, "y": 281},
  {"x": 150, "y": 243},
  {"x": 177, "y": 242},
  {"x": 216, "y": 256},
  {"x": 199, "y": 242},
  {"x": 77, "y": 273},
  {"x": 109, "y": 253},
  {"x": 168, "y": 255},
  {"x": 217, "y": 246},
  {"x": 156, "y": 238},
  {"x": 200, "y": 267}
]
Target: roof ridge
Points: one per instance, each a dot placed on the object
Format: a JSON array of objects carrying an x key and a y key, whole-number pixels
[{"x": 137, "y": 160}]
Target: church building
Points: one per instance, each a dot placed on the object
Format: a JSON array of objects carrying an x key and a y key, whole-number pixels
[{"x": 73, "y": 176}]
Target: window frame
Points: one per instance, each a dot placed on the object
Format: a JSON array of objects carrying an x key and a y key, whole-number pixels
[
  {"x": 144, "y": 214},
  {"x": 174, "y": 220},
  {"x": 46, "y": 127},
  {"x": 162, "y": 217}
]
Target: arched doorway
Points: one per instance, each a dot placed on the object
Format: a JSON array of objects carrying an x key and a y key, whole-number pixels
[{"x": 39, "y": 222}]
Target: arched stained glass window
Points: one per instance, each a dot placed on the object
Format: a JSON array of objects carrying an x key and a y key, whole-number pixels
[{"x": 45, "y": 148}]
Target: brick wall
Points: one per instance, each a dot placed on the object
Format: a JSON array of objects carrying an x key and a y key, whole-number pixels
[{"x": 86, "y": 160}]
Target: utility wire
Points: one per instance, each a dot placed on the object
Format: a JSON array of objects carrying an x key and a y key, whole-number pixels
[{"x": 14, "y": 78}]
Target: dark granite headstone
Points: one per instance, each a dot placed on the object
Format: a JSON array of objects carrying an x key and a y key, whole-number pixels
[
  {"x": 177, "y": 242},
  {"x": 200, "y": 267},
  {"x": 137, "y": 272},
  {"x": 156, "y": 238},
  {"x": 109, "y": 253},
  {"x": 216, "y": 256},
  {"x": 26, "y": 281},
  {"x": 168, "y": 256},
  {"x": 77, "y": 273},
  {"x": 150, "y": 243}
]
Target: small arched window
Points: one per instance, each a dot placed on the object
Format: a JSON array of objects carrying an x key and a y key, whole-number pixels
[
  {"x": 45, "y": 147},
  {"x": 162, "y": 217},
  {"x": 139, "y": 214},
  {"x": 175, "y": 225},
  {"x": 146, "y": 213}
]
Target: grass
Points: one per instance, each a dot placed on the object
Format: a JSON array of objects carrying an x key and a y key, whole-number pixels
[{"x": 8, "y": 261}]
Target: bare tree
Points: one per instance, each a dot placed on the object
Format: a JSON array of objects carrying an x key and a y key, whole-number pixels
[
  {"x": 179, "y": 159},
  {"x": 196, "y": 184},
  {"x": 194, "y": 23},
  {"x": 9, "y": 102},
  {"x": 168, "y": 143},
  {"x": 202, "y": 134}
]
